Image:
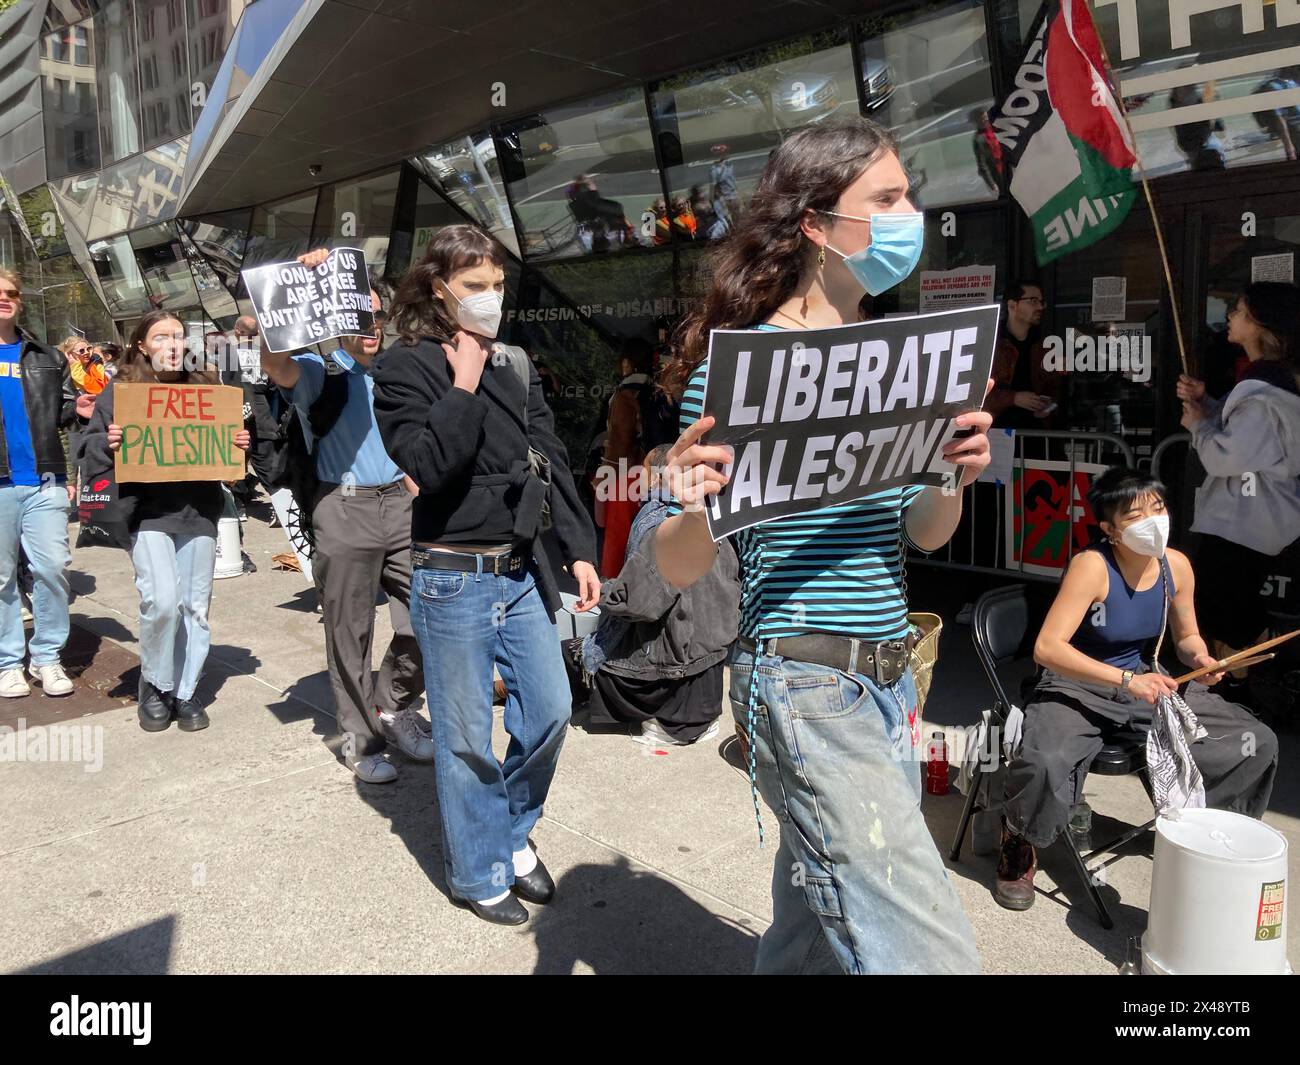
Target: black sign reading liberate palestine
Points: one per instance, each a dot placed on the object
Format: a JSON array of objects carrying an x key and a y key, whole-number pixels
[{"x": 819, "y": 417}]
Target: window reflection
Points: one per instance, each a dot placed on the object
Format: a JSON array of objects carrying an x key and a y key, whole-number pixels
[
  {"x": 116, "y": 78},
  {"x": 582, "y": 177},
  {"x": 141, "y": 190},
  {"x": 164, "y": 69},
  {"x": 214, "y": 296},
  {"x": 280, "y": 231},
  {"x": 119, "y": 277},
  {"x": 716, "y": 127},
  {"x": 1194, "y": 110},
  {"x": 926, "y": 75},
  {"x": 466, "y": 172},
  {"x": 68, "y": 100},
  {"x": 220, "y": 239},
  {"x": 163, "y": 266},
  {"x": 359, "y": 214},
  {"x": 211, "y": 28},
  {"x": 62, "y": 12}
]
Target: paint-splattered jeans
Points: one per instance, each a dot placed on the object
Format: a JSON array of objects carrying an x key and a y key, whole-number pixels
[{"x": 858, "y": 885}]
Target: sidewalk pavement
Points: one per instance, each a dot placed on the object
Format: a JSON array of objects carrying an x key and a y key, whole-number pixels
[{"x": 249, "y": 848}]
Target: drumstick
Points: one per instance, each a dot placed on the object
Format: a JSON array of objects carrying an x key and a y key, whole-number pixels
[
  {"x": 1218, "y": 665},
  {"x": 1241, "y": 656}
]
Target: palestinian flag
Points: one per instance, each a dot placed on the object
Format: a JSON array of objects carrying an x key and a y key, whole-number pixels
[{"x": 1061, "y": 137}]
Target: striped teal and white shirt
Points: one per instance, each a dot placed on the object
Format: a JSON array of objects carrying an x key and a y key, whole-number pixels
[{"x": 834, "y": 570}]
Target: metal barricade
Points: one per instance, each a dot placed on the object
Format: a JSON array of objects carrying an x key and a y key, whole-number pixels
[
  {"x": 1165, "y": 445},
  {"x": 985, "y": 554}
]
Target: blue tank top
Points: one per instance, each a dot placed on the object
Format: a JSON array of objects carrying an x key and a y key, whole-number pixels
[{"x": 1118, "y": 634}]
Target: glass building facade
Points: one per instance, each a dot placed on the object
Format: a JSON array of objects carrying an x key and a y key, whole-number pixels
[{"x": 607, "y": 203}]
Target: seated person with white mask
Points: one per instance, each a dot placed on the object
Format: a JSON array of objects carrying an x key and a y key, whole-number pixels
[{"x": 1095, "y": 646}]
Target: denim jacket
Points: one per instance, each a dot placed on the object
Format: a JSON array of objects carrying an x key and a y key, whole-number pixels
[{"x": 670, "y": 631}]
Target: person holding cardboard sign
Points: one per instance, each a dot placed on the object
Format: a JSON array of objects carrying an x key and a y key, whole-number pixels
[
  {"x": 173, "y": 523},
  {"x": 820, "y": 676}
]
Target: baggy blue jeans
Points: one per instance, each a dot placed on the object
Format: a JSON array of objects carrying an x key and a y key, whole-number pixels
[
  {"x": 173, "y": 575},
  {"x": 858, "y": 886},
  {"x": 466, "y": 622},
  {"x": 36, "y": 519}
]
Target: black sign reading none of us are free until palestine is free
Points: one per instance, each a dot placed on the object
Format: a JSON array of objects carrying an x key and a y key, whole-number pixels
[{"x": 819, "y": 417}]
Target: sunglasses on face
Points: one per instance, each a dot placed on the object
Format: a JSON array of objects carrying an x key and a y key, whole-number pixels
[{"x": 11, "y": 293}]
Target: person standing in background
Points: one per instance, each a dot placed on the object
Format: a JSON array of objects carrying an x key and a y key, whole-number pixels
[
  {"x": 362, "y": 518},
  {"x": 1025, "y": 395},
  {"x": 1248, "y": 509},
  {"x": 36, "y": 401},
  {"x": 624, "y": 452}
]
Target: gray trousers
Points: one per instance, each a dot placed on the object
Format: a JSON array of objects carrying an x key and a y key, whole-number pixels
[
  {"x": 363, "y": 543},
  {"x": 1064, "y": 733}
]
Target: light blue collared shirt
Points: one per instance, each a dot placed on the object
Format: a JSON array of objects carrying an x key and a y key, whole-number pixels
[{"x": 352, "y": 451}]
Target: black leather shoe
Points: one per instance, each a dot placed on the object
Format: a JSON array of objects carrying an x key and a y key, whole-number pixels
[
  {"x": 536, "y": 887},
  {"x": 508, "y": 911},
  {"x": 154, "y": 713},
  {"x": 190, "y": 716}
]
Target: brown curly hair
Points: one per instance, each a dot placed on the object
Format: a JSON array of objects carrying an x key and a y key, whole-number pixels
[
  {"x": 416, "y": 311},
  {"x": 757, "y": 266}
]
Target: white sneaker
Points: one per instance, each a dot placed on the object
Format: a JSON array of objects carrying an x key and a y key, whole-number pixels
[
  {"x": 401, "y": 729},
  {"x": 653, "y": 735},
  {"x": 373, "y": 768},
  {"x": 52, "y": 679},
  {"x": 12, "y": 684}
]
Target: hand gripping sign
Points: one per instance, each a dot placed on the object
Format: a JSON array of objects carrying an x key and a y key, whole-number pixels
[
  {"x": 298, "y": 306},
  {"x": 819, "y": 417}
]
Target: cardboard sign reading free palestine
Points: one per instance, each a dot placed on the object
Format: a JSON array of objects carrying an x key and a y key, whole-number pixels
[{"x": 178, "y": 432}]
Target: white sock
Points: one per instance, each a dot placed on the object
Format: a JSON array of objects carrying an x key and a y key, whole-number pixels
[
  {"x": 525, "y": 861},
  {"x": 495, "y": 899}
]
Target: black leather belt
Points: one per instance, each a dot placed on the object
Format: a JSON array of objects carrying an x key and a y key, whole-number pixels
[
  {"x": 467, "y": 563},
  {"x": 885, "y": 660}
]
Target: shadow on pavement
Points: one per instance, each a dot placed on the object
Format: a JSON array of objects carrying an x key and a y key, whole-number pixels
[
  {"x": 141, "y": 951},
  {"x": 616, "y": 919}
]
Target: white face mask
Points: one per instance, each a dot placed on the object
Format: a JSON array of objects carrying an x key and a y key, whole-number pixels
[
  {"x": 1150, "y": 536},
  {"x": 479, "y": 313}
]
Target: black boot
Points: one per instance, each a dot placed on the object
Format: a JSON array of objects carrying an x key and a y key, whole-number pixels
[
  {"x": 508, "y": 911},
  {"x": 154, "y": 713},
  {"x": 536, "y": 887},
  {"x": 190, "y": 715}
]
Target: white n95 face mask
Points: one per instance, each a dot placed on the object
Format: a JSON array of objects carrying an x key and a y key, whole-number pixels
[
  {"x": 479, "y": 313},
  {"x": 1150, "y": 536}
]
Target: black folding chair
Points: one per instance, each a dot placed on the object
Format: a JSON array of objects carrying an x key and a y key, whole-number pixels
[{"x": 999, "y": 622}]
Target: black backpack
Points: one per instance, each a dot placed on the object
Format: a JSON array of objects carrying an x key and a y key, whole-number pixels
[{"x": 292, "y": 462}]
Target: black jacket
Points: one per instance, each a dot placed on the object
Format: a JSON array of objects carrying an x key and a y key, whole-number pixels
[
  {"x": 182, "y": 508},
  {"x": 51, "y": 402},
  {"x": 469, "y": 455}
]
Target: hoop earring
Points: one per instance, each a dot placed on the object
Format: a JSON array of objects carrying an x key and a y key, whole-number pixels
[{"x": 821, "y": 256}]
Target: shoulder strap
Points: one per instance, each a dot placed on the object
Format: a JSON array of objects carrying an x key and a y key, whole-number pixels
[
  {"x": 519, "y": 363},
  {"x": 1164, "y": 611},
  {"x": 327, "y": 407}
]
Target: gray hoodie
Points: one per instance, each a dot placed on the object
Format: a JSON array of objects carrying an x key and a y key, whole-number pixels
[{"x": 1256, "y": 431}]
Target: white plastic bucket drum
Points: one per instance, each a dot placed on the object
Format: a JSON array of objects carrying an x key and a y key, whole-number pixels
[
  {"x": 1218, "y": 897},
  {"x": 230, "y": 561}
]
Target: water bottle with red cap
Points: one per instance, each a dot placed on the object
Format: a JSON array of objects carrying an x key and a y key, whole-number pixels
[{"x": 936, "y": 765}]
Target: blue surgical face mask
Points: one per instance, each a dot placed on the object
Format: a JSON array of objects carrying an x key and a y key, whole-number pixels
[{"x": 894, "y": 251}]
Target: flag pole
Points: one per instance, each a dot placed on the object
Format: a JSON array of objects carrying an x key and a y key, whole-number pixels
[{"x": 1151, "y": 204}]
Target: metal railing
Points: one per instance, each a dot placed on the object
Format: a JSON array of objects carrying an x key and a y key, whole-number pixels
[{"x": 984, "y": 553}]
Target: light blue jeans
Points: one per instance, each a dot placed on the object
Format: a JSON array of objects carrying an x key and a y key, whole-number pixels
[
  {"x": 36, "y": 518},
  {"x": 464, "y": 623},
  {"x": 173, "y": 575},
  {"x": 858, "y": 886}
]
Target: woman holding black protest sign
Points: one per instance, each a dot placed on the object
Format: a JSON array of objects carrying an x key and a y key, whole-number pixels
[
  {"x": 173, "y": 527},
  {"x": 819, "y": 677},
  {"x": 466, "y": 419}
]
